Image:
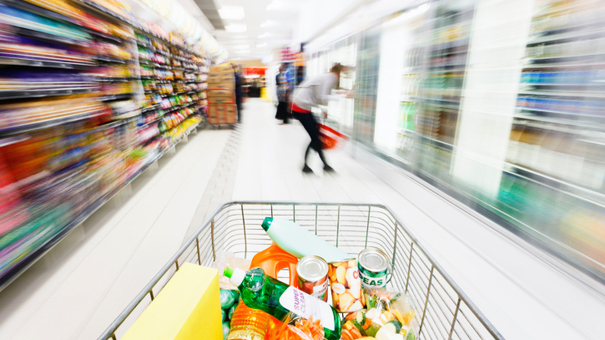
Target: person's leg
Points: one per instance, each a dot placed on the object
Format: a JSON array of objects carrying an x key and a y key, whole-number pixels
[
  {"x": 239, "y": 109},
  {"x": 285, "y": 113},
  {"x": 316, "y": 142},
  {"x": 306, "y": 120}
]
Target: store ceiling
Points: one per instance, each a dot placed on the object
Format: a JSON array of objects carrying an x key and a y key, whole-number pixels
[{"x": 266, "y": 24}]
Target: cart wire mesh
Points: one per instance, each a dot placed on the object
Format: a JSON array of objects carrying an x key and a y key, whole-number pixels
[{"x": 443, "y": 310}]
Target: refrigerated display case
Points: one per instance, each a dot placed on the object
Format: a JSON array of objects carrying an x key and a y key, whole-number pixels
[
  {"x": 500, "y": 108},
  {"x": 555, "y": 162}
]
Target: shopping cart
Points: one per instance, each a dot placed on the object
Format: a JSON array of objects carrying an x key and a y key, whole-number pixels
[{"x": 444, "y": 311}]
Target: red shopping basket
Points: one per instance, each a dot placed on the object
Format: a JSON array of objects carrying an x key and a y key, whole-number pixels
[{"x": 329, "y": 137}]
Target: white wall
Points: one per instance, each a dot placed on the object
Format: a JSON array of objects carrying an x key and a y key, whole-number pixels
[
  {"x": 316, "y": 14},
  {"x": 345, "y": 17}
]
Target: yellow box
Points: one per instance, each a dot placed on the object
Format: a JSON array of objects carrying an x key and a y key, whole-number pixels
[{"x": 187, "y": 308}]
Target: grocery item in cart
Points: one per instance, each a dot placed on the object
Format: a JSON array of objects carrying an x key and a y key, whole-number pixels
[
  {"x": 374, "y": 268},
  {"x": 312, "y": 274},
  {"x": 229, "y": 300},
  {"x": 389, "y": 316},
  {"x": 296, "y": 328},
  {"x": 248, "y": 323},
  {"x": 347, "y": 295},
  {"x": 262, "y": 292},
  {"x": 273, "y": 259},
  {"x": 299, "y": 242}
]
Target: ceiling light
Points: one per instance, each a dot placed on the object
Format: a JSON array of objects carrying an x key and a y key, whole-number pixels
[
  {"x": 240, "y": 47},
  {"x": 231, "y": 12},
  {"x": 241, "y": 36},
  {"x": 236, "y": 28},
  {"x": 244, "y": 52},
  {"x": 261, "y": 45},
  {"x": 264, "y": 35}
]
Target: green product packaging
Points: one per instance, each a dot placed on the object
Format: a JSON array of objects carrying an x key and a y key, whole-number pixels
[{"x": 263, "y": 292}]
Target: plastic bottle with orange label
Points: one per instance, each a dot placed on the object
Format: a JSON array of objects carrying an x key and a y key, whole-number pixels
[
  {"x": 273, "y": 259},
  {"x": 248, "y": 323}
]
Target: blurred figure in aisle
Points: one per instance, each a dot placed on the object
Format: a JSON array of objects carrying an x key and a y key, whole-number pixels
[
  {"x": 283, "y": 94},
  {"x": 238, "y": 92},
  {"x": 311, "y": 93}
]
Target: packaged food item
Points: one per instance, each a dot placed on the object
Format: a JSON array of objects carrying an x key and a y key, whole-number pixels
[
  {"x": 347, "y": 294},
  {"x": 312, "y": 274},
  {"x": 299, "y": 242},
  {"x": 374, "y": 268},
  {"x": 297, "y": 328},
  {"x": 389, "y": 316},
  {"x": 263, "y": 292},
  {"x": 273, "y": 259},
  {"x": 247, "y": 324},
  {"x": 228, "y": 298}
]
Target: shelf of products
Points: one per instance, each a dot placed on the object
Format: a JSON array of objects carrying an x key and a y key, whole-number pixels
[
  {"x": 367, "y": 86},
  {"x": 557, "y": 142},
  {"x": 89, "y": 98},
  {"x": 437, "y": 105}
]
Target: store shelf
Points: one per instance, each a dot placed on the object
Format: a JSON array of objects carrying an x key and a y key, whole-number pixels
[
  {"x": 577, "y": 191},
  {"x": 113, "y": 60},
  {"x": 23, "y": 128},
  {"x": 120, "y": 96},
  {"x": 563, "y": 36},
  {"x": 565, "y": 84},
  {"x": 105, "y": 13},
  {"x": 22, "y": 61},
  {"x": 150, "y": 108},
  {"x": 47, "y": 36},
  {"x": 573, "y": 94},
  {"x": 28, "y": 260},
  {"x": 570, "y": 113},
  {"x": 4, "y": 95}
]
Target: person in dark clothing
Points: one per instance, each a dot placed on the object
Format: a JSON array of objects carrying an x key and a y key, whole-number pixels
[
  {"x": 283, "y": 94},
  {"x": 238, "y": 92},
  {"x": 311, "y": 93}
]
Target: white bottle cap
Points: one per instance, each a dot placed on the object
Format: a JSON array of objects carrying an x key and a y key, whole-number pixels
[{"x": 237, "y": 277}]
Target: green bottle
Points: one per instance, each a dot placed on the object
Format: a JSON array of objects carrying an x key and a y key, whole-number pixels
[{"x": 263, "y": 292}]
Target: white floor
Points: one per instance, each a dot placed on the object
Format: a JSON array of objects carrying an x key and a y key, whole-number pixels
[{"x": 76, "y": 290}]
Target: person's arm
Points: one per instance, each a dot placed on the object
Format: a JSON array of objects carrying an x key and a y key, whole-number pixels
[{"x": 326, "y": 90}]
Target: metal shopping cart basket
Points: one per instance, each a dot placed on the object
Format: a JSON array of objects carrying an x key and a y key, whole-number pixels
[{"x": 444, "y": 311}]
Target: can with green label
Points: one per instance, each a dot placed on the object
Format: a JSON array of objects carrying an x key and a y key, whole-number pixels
[{"x": 374, "y": 268}]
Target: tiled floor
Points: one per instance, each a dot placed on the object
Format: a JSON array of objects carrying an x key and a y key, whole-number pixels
[{"x": 83, "y": 284}]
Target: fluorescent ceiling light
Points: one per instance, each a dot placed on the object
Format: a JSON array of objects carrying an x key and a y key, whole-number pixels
[
  {"x": 244, "y": 52},
  {"x": 241, "y": 47},
  {"x": 231, "y": 12},
  {"x": 261, "y": 45},
  {"x": 236, "y": 28},
  {"x": 265, "y": 35},
  {"x": 241, "y": 36}
]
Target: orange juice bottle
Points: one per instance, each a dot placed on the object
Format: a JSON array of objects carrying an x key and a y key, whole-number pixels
[{"x": 248, "y": 323}]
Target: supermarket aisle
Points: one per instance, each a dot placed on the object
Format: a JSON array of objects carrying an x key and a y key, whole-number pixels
[
  {"x": 83, "y": 284},
  {"x": 78, "y": 288}
]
